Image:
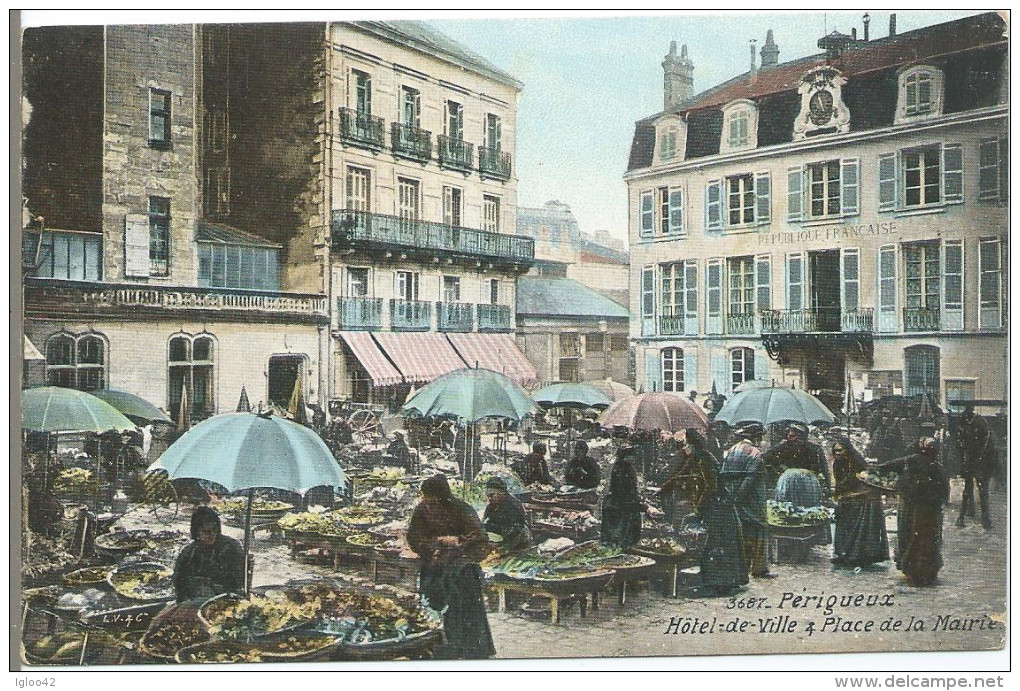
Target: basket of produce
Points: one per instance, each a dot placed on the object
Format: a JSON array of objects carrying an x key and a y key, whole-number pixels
[
  {"x": 44, "y": 596},
  {"x": 295, "y": 647},
  {"x": 796, "y": 519},
  {"x": 245, "y": 619},
  {"x": 358, "y": 516},
  {"x": 120, "y": 543},
  {"x": 383, "y": 476},
  {"x": 75, "y": 482},
  {"x": 390, "y": 547},
  {"x": 879, "y": 480},
  {"x": 87, "y": 576},
  {"x": 312, "y": 526},
  {"x": 169, "y": 634},
  {"x": 262, "y": 510},
  {"x": 68, "y": 648},
  {"x": 146, "y": 580},
  {"x": 364, "y": 542},
  {"x": 628, "y": 564}
]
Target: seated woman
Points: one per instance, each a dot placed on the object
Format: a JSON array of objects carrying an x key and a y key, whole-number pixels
[
  {"x": 582, "y": 470},
  {"x": 212, "y": 564}
]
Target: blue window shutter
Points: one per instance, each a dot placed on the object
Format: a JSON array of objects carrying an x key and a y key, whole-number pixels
[
  {"x": 762, "y": 198},
  {"x": 647, "y": 225},
  {"x": 713, "y": 205},
  {"x": 850, "y": 181},
  {"x": 653, "y": 371},
  {"x": 795, "y": 194},
  {"x": 952, "y": 174},
  {"x": 887, "y": 182},
  {"x": 690, "y": 369},
  {"x": 691, "y": 297},
  {"x": 676, "y": 211}
]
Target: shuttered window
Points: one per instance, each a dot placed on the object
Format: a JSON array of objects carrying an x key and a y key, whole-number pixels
[
  {"x": 159, "y": 236},
  {"x": 993, "y": 173}
]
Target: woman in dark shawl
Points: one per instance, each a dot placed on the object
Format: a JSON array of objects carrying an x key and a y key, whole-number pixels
[
  {"x": 923, "y": 490},
  {"x": 861, "y": 538},
  {"x": 622, "y": 507},
  {"x": 743, "y": 477},
  {"x": 212, "y": 564},
  {"x": 448, "y": 537}
]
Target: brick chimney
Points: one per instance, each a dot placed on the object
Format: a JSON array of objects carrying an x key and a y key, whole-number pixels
[
  {"x": 769, "y": 52},
  {"x": 678, "y": 77}
]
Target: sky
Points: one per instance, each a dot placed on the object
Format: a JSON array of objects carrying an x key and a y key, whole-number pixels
[{"x": 587, "y": 79}]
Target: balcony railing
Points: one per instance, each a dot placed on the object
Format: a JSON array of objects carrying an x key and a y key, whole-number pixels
[
  {"x": 411, "y": 142},
  {"x": 363, "y": 129},
  {"x": 494, "y": 318},
  {"x": 360, "y": 314},
  {"x": 353, "y": 229},
  {"x": 494, "y": 163},
  {"x": 456, "y": 153},
  {"x": 818, "y": 320},
  {"x": 740, "y": 323},
  {"x": 671, "y": 325},
  {"x": 410, "y": 315},
  {"x": 455, "y": 316},
  {"x": 922, "y": 319}
]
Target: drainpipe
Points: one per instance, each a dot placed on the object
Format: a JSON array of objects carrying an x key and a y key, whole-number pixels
[{"x": 325, "y": 356}]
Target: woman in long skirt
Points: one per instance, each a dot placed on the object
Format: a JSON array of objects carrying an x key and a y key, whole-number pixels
[{"x": 861, "y": 538}]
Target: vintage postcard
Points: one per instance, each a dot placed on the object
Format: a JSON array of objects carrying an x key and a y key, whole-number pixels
[{"x": 371, "y": 338}]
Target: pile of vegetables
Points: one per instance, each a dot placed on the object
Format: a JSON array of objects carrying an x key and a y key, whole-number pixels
[
  {"x": 288, "y": 647},
  {"x": 324, "y": 524},
  {"x": 884, "y": 480},
  {"x": 74, "y": 482},
  {"x": 579, "y": 560},
  {"x": 783, "y": 513},
  {"x": 661, "y": 545},
  {"x": 144, "y": 582}
]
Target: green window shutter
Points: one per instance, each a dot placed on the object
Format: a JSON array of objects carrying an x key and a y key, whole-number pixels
[
  {"x": 713, "y": 205},
  {"x": 763, "y": 198},
  {"x": 795, "y": 194},
  {"x": 887, "y": 182},
  {"x": 850, "y": 182},
  {"x": 952, "y": 173}
]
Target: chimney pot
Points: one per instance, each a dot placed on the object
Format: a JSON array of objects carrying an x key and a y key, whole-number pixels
[
  {"x": 769, "y": 52},
  {"x": 892, "y": 24},
  {"x": 867, "y": 20}
]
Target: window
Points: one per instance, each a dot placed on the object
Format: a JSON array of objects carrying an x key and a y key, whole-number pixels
[
  {"x": 357, "y": 282},
  {"x": 191, "y": 369},
  {"x": 76, "y": 361},
  {"x": 959, "y": 390},
  {"x": 159, "y": 118},
  {"x": 740, "y": 126},
  {"x": 594, "y": 343},
  {"x": 570, "y": 344},
  {"x": 493, "y": 291},
  {"x": 713, "y": 289},
  {"x": 990, "y": 282},
  {"x": 738, "y": 200},
  {"x": 672, "y": 369},
  {"x": 71, "y": 256},
  {"x": 679, "y": 304},
  {"x": 742, "y": 289},
  {"x": 493, "y": 132},
  {"x": 993, "y": 170},
  {"x": 407, "y": 285},
  {"x": 922, "y": 177},
  {"x": 921, "y": 365},
  {"x": 237, "y": 266},
  {"x": 887, "y": 318},
  {"x": 159, "y": 236},
  {"x": 741, "y": 365},
  {"x": 490, "y": 213},
  {"x": 670, "y": 139},
  {"x": 662, "y": 209},
  {"x": 824, "y": 181},
  {"x": 284, "y": 375},
  {"x": 454, "y": 120},
  {"x": 922, "y": 270},
  {"x": 647, "y": 301},
  {"x": 362, "y": 92},
  {"x": 408, "y": 199},
  {"x": 952, "y": 285},
  {"x": 920, "y": 93},
  {"x": 410, "y": 107},
  {"x": 827, "y": 189},
  {"x": 452, "y": 206},
  {"x": 216, "y": 130},
  {"x": 451, "y": 289},
  {"x": 359, "y": 196},
  {"x": 668, "y": 143},
  {"x": 647, "y": 225}
]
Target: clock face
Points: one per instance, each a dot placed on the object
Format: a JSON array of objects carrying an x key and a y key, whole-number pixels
[{"x": 821, "y": 107}]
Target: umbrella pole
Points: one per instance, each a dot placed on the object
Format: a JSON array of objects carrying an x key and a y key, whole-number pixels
[{"x": 247, "y": 539}]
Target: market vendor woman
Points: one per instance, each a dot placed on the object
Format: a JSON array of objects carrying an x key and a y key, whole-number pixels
[
  {"x": 446, "y": 534},
  {"x": 212, "y": 564}
]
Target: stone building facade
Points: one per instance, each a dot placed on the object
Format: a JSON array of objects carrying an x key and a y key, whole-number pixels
[{"x": 837, "y": 220}]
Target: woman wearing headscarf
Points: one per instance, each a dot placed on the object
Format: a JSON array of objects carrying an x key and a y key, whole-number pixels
[
  {"x": 861, "y": 538},
  {"x": 622, "y": 507},
  {"x": 743, "y": 477},
  {"x": 448, "y": 537},
  {"x": 582, "y": 470},
  {"x": 212, "y": 564},
  {"x": 923, "y": 490}
]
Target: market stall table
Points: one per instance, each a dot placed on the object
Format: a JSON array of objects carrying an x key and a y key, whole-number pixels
[{"x": 555, "y": 589}]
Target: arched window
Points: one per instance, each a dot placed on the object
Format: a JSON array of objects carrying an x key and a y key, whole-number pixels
[
  {"x": 190, "y": 362},
  {"x": 920, "y": 93},
  {"x": 741, "y": 365},
  {"x": 921, "y": 370},
  {"x": 740, "y": 126},
  {"x": 672, "y": 369},
  {"x": 76, "y": 361}
]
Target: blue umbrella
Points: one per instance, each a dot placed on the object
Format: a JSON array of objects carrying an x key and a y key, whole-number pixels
[
  {"x": 772, "y": 404},
  {"x": 244, "y": 451},
  {"x": 472, "y": 395}
]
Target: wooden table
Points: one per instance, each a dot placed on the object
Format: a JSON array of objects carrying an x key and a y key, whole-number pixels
[
  {"x": 670, "y": 564},
  {"x": 623, "y": 575},
  {"x": 802, "y": 537},
  {"x": 555, "y": 590}
]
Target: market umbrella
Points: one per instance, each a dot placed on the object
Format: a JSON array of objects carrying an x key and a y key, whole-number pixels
[
  {"x": 772, "y": 404},
  {"x": 572, "y": 396},
  {"x": 759, "y": 384},
  {"x": 655, "y": 411},
  {"x": 472, "y": 395},
  {"x": 133, "y": 407},
  {"x": 615, "y": 390},
  {"x": 56, "y": 409},
  {"x": 245, "y": 451}
]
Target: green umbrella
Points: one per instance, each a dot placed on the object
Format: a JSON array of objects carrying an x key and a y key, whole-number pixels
[
  {"x": 571, "y": 395},
  {"x": 132, "y": 406},
  {"x": 56, "y": 409},
  {"x": 472, "y": 395},
  {"x": 245, "y": 451},
  {"x": 772, "y": 404}
]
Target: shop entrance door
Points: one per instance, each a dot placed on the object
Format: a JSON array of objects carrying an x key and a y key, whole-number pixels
[{"x": 284, "y": 371}]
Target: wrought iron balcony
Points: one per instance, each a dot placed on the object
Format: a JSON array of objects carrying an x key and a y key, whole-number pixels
[
  {"x": 494, "y": 163},
  {"x": 455, "y": 316},
  {"x": 456, "y": 153},
  {"x": 361, "y": 129},
  {"x": 494, "y": 318},
  {"x": 411, "y": 142},
  {"x": 367, "y": 230},
  {"x": 818, "y": 320},
  {"x": 360, "y": 314},
  {"x": 670, "y": 325},
  {"x": 410, "y": 315},
  {"x": 922, "y": 319},
  {"x": 741, "y": 323}
]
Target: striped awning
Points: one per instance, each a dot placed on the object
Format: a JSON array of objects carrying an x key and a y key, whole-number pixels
[
  {"x": 365, "y": 349},
  {"x": 420, "y": 357},
  {"x": 498, "y": 352}
]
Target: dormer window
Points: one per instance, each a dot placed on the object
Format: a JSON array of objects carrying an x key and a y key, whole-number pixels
[
  {"x": 740, "y": 126},
  {"x": 670, "y": 140},
  {"x": 920, "y": 93}
]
